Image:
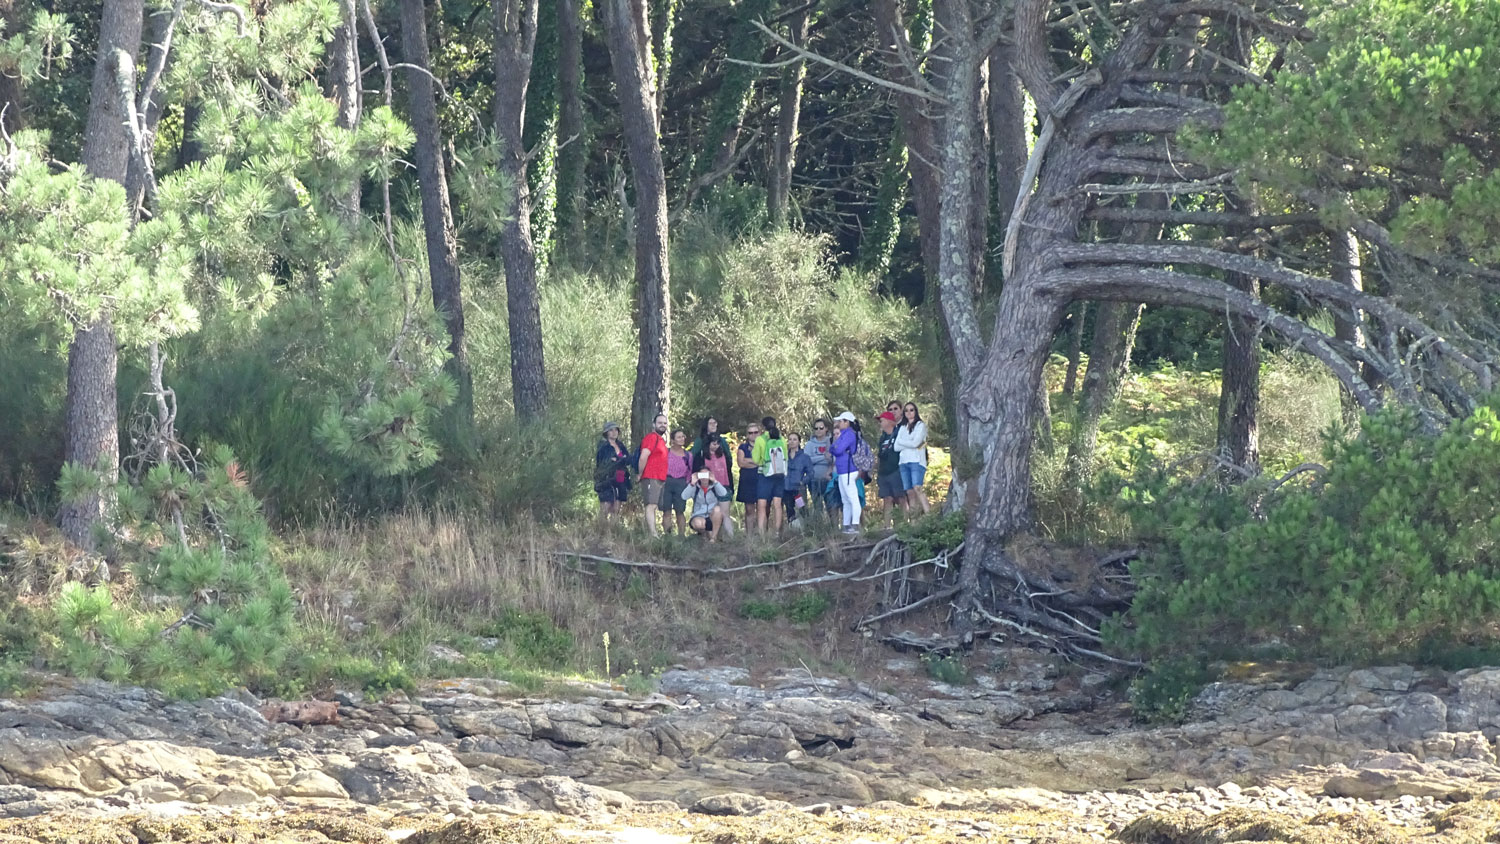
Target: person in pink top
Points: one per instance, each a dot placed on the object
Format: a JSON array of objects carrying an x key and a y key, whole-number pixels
[
  {"x": 653, "y": 469},
  {"x": 679, "y": 468}
]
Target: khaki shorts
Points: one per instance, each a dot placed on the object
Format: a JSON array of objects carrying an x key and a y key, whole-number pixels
[{"x": 651, "y": 491}]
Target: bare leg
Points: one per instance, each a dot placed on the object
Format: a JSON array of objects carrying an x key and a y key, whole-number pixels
[
  {"x": 681, "y": 523},
  {"x": 760, "y": 514},
  {"x": 651, "y": 520},
  {"x": 716, "y": 519}
]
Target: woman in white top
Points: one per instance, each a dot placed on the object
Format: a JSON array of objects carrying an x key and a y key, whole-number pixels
[{"x": 911, "y": 442}]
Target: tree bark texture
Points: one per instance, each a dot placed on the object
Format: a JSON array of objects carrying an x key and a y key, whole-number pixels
[
  {"x": 92, "y": 436},
  {"x": 1239, "y": 391},
  {"x": 515, "y": 39},
  {"x": 344, "y": 86},
  {"x": 788, "y": 112},
  {"x": 1008, "y": 131},
  {"x": 571, "y": 130},
  {"x": 627, "y": 29},
  {"x": 437, "y": 214}
]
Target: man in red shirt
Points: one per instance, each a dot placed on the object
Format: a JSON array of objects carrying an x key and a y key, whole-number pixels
[{"x": 653, "y": 468}]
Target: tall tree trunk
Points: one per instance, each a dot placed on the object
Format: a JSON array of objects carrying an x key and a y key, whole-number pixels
[
  {"x": 1007, "y": 131},
  {"x": 737, "y": 88},
  {"x": 878, "y": 243},
  {"x": 344, "y": 87},
  {"x": 515, "y": 38},
  {"x": 627, "y": 28},
  {"x": 540, "y": 133},
  {"x": 1115, "y": 324},
  {"x": 190, "y": 151},
  {"x": 10, "y": 86},
  {"x": 788, "y": 112},
  {"x": 1075, "y": 346},
  {"x": 92, "y": 436},
  {"x": 437, "y": 216},
  {"x": 1239, "y": 393},
  {"x": 571, "y": 131},
  {"x": 1348, "y": 269}
]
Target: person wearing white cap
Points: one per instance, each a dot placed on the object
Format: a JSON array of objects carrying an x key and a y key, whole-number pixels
[
  {"x": 844, "y": 446},
  {"x": 705, "y": 493}
]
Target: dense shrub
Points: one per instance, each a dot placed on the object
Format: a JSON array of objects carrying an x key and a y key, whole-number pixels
[{"x": 1394, "y": 552}]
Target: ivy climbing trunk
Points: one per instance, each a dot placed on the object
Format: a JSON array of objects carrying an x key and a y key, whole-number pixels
[
  {"x": 91, "y": 418},
  {"x": 628, "y": 32},
  {"x": 788, "y": 114},
  {"x": 515, "y": 40},
  {"x": 437, "y": 217},
  {"x": 572, "y": 153},
  {"x": 540, "y": 133}
]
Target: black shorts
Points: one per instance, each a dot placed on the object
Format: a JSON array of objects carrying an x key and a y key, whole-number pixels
[
  {"x": 891, "y": 486},
  {"x": 671, "y": 495},
  {"x": 613, "y": 492}
]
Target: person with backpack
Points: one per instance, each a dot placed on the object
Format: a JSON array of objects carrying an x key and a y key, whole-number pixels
[
  {"x": 716, "y": 461},
  {"x": 892, "y": 493},
  {"x": 911, "y": 441},
  {"x": 770, "y": 458},
  {"x": 845, "y": 447},
  {"x": 706, "y": 495},
  {"x": 611, "y": 472}
]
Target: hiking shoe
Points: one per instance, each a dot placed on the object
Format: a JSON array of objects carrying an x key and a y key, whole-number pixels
[{"x": 851, "y": 530}]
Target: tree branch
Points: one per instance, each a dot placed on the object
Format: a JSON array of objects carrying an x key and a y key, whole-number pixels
[
  {"x": 1170, "y": 287},
  {"x": 1200, "y": 218},
  {"x": 837, "y": 65}
]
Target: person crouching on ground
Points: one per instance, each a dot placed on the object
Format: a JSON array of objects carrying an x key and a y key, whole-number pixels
[
  {"x": 679, "y": 470},
  {"x": 708, "y": 513},
  {"x": 799, "y": 475},
  {"x": 892, "y": 490},
  {"x": 653, "y": 469},
  {"x": 769, "y": 455},
  {"x": 611, "y": 472},
  {"x": 716, "y": 461}
]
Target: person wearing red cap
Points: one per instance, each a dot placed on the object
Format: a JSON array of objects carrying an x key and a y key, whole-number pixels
[{"x": 892, "y": 491}]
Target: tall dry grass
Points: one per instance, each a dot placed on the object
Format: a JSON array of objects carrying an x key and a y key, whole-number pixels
[{"x": 427, "y": 577}]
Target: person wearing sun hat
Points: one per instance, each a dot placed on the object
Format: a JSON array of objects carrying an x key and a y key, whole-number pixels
[
  {"x": 705, "y": 494},
  {"x": 611, "y": 472},
  {"x": 847, "y": 473}
]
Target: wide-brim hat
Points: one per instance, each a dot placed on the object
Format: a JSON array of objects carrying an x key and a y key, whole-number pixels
[{"x": 609, "y": 426}]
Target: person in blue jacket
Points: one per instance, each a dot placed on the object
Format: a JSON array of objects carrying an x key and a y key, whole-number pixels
[
  {"x": 844, "y": 446},
  {"x": 799, "y": 476}
]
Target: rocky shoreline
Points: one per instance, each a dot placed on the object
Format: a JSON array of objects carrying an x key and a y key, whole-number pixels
[{"x": 1395, "y": 745}]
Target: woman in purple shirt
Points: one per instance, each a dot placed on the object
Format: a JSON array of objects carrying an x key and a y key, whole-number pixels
[
  {"x": 679, "y": 468},
  {"x": 847, "y": 473}
]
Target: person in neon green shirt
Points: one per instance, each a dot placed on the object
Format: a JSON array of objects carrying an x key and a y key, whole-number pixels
[{"x": 769, "y": 454}]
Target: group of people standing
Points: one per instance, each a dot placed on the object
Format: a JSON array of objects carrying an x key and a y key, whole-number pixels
[{"x": 782, "y": 475}]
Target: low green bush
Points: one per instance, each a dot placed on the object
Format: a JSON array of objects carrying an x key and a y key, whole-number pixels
[{"x": 1393, "y": 553}]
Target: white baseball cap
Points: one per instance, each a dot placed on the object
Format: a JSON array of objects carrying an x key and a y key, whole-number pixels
[{"x": 846, "y": 416}]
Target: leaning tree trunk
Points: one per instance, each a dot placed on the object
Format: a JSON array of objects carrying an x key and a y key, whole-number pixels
[
  {"x": 437, "y": 216},
  {"x": 515, "y": 38},
  {"x": 1239, "y": 392},
  {"x": 92, "y": 435},
  {"x": 1348, "y": 327},
  {"x": 345, "y": 90},
  {"x": 627, "y": 28},
  {"x": 788, "y": 112},
  {"x": 572, "y": 153}
]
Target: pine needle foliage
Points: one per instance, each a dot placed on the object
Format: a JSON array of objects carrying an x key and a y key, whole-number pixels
[{"x": 1394, "y": 552}]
